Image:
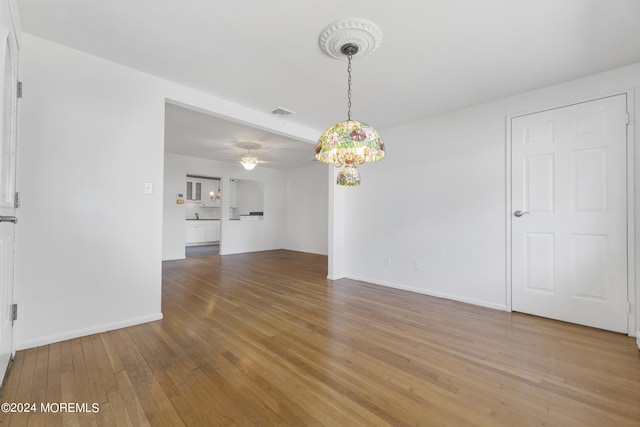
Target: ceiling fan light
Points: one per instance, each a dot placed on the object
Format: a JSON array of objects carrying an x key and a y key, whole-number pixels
[{"x": 249, "y": 162}]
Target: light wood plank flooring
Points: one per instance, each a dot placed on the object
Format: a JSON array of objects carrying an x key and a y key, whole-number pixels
[{"x": 263, "y": 339}]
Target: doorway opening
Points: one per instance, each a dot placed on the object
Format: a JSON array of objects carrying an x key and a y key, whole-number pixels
[{"x": 202, "y": 215}]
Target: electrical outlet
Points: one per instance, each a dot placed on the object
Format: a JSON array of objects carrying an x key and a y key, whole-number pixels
[
  {"x": 387, "y": 262},
  {"x": 418, "y": 265}
]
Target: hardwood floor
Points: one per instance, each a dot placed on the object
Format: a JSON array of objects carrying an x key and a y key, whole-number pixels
[{"x": 264, "y": 339}]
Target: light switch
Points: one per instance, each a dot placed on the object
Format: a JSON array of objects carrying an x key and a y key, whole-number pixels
[{"x": 148, "y": 188}]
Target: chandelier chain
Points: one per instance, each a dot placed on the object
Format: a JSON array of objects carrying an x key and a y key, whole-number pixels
[{"x": 349, "y": 88}]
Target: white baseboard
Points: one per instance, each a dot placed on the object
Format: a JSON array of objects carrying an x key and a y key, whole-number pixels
[
  {"x": 174, "y": 259},
  {"x": 481, "y": 303},
  {"x": 337, "y": 276},
  {"x": 37, "y": 342},
  {"x": 306, "y": 250}
]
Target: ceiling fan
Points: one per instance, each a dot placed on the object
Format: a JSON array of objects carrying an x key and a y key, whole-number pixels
[{"x": 249, "y": 161}]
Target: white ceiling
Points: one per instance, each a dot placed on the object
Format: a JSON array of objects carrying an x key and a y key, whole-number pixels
[
  {"x": 196, "y": 134},
  {"x": 436, "y": 56}
]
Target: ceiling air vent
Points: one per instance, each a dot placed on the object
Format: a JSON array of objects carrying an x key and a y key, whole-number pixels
[{"x": 281, "y": 111}]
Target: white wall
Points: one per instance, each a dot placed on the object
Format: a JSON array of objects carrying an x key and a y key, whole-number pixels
[
  {"x": 338, "y": 237},
  {"x": 307, "y": 211},
  {"x": 439, "y": 197},
  {"x": 237, "y": 236},
  {"x": 89, "y": 241},
  {"x": 249, "y": 196}
]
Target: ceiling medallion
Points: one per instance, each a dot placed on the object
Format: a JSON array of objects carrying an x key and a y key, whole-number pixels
[{"x": 365, "y": 35}]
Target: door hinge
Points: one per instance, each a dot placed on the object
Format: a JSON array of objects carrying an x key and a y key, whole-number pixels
[
  {"x": 628, "y": 118},
  {"x": 14, "y": 312},
  {"x": 19, "y": 91},
  {"x": 16, "y": 199}
]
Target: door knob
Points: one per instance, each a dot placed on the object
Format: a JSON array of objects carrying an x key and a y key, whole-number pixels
[
  {"x": 12, "y": 219},
  {"x": 519, "y": 213}
]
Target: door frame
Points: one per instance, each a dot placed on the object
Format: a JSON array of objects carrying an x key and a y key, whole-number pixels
[
  {"x": 632, "y": 263},
  {"x": 14, "y": 34}
]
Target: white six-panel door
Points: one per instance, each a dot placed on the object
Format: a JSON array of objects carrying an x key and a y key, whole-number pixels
[{"x": 569, "y": 240}]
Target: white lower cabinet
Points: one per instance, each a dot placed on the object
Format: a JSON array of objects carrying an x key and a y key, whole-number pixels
[
  {"x": 193, "y": 232},
  {"x": 212, "y": 231},
  {"x": 202, "y": 231}
]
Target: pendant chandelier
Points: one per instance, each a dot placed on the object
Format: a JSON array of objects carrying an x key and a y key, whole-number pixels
[
  {"x": 350, "y": 143},
  {"x": 249, "y": 161}
]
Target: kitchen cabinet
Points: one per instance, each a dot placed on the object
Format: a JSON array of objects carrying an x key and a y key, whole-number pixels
[
  {"x": 212, "y": 231},
  {"x": 201, "y": 190},
  {"x": 194, "y": 232},
  {"x": 202, "y": 231},
  {"x": 194, "y": 190}
]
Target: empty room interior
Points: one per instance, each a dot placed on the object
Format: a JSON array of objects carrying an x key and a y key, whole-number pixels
[{"x": 337, "y": 213}]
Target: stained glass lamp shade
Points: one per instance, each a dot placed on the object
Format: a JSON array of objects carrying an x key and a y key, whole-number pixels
[{"x": 349, "y": 144}]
